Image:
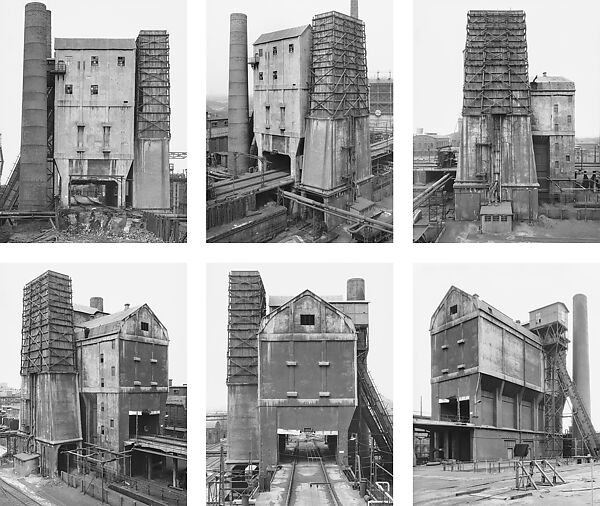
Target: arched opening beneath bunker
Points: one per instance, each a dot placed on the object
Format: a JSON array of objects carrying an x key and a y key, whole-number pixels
[
  {"x": 278, "y": 161},
  {"x": 66, "y": 461},
  {"x": 306, "y": 445},
  {"x": 88, "y": 192}
]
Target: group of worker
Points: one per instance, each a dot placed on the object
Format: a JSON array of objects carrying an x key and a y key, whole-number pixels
[{"x": 590, "y": 183}]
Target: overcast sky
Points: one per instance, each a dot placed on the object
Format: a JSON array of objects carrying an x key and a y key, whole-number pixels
[
  {"x": 266, "y": 16},
  {"x": 85, "y": 19},
  {"x": 514, "y": 289},
  {"x": 292, "y": 279},
  {"x": 118, "y": 284},
  {"x": 561, "y": 41}
]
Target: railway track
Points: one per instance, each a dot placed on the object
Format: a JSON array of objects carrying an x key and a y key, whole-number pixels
[
  {"x": 15, "y": 496},
  {"x": 309, "y": 469}
]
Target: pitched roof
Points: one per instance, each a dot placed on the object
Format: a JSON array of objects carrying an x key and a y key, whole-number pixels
[
  {"x": 80, "y": 308},
  {"x": 288, "y": 33},
  {"x": 111, "y": 318}
]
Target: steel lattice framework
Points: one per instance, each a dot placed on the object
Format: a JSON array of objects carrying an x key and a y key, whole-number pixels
[
  {"x": 339, "y": 84},
  {"x": 554, "y": 342},
  {"x": 496, "y": 64},
  {"x": 48, "y": 339},
  {"x": 247, "y": 306},
  {"x": 153, "y": 86}
]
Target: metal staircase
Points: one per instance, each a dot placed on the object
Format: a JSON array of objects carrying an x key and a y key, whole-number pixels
[
  {"x": 378, "y": 419},
  {"x": 580, "y": 414},
  {"x": 10, "y": 195}
]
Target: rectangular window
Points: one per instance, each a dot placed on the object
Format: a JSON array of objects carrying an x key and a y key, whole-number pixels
[
  {"x": 94, "y": 61},
  {"x": 488, "y": 217},
  {"x": 80, "y": 129},
  {"x": 503, "y": 218},
  {"x": 102, "y": 429},
  {"x": 291, "y": 48},
  {"x": 568, "y": 158},
  {"x": 556, "y": 127},
  {"x": 112, "y": 370},
  {"x": 260, "y": 76},
  {"x": 68, "y": 89},
  {"x": 570, "y": 99},
  {"x": 274, "y": 75},
  {"x": 112, "y": 344},
  {"x": 102, "y": 382},
  {"x": 454, "y": 309},
  {"x": 274, "y": 50},
  {"x": 101, "y": 358},
  {"x": 556, "y": 164},
  {"x": 112, "y": 423},
  {"x": 496, "y": 218},
  {"x": 106, "y": 137},
  {"x": 94, "y": 89},
  {"x": 120, "y": 61},
  {"x": 260, "y": 52},
  {"x": 307, "y": 319},
  {"x": 267, "y": 116},
  {"x": 145, "y": 326},
  {"x": 101, "y": 406},
  {"x": 282, "y": 117},
  {"x": 569, "y": 119},
  {"x": 556, "y": 147},
  {"x": 555, "y": 108}
]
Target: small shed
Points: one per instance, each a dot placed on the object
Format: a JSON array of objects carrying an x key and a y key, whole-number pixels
[
  {"x": 496, "y": 218},
  {"x": 26, "y": 463}
]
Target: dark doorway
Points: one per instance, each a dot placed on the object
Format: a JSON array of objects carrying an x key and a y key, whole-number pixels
[
  {"x": 541, "y": 150},
  {"x": 277, "y": 161},
  {"x": 143, "y": 424}
]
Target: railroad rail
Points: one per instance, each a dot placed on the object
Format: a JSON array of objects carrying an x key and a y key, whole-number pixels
[{"x": 16, "y": 496}]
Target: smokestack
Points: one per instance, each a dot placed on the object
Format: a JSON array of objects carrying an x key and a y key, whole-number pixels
[
  {"x": 97, "y": 303},
  {"x": 354, "y": 8},
  {"x": 238, "y": 134},
  {"x": 355, "y": 289},
  {"x": 34, "y": 129},
  {"x": 581, "y": 349},
  {"x": 48, "y": 34}
]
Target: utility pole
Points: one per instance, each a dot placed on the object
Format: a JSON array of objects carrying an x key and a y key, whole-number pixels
[{"x": 221, "y": 478}]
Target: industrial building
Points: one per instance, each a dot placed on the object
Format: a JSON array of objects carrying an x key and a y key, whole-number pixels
[
  {"x": 298, "y": 387},
  {"x": 311, "y": 149},
  {"x": 497, "y": 383},
  {"x": 517, "y": 155},
  {"x": 94, "y": 395},
  {"x": 95, "y": 124}
]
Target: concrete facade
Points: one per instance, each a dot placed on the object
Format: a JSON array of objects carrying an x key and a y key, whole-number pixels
[
  {"x": 313, "y": 345},
  {"x": 124, "y": 376},
  {"x": 281, "y": 75},
  {"x": 553, "y": 130},
  {"x": 487, "y": 381},
  {"x": 94, "y": 115}
]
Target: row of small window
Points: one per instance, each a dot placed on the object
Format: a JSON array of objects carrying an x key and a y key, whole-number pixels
[
  {"x": 261, "y": 76},
  {"x": 459, "y": 341},
  {"x": 282, "y": 126},
  {"x": 487, "y": 217},
  {"x": 290, "y": 50},
  {"x": 120, "y": 61},
  {"x": 69, "y": 89},
  {"x": 112, "y": 426},
  {"x": 135, "y": 359},
  {"x": 136, "y": 383}
]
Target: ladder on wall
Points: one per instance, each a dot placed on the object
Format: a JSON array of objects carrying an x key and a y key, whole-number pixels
[
  {"x": 10, "y": 195},
  {"x": 580, "y": 414}
]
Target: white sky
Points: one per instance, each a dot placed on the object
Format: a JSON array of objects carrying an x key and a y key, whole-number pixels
[
  {"x": 87, "y": 19},
  {"x": 515, "y": 289},
  {"x": 292, "y": 279},
  {"x": 561, "y": 41},
  {"x": 266, "y": 16},
  {"x": 119, "y": 284}
]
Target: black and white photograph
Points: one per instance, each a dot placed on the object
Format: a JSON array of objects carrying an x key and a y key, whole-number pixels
[
  {"x": 503, "y": 375},
  {"x": 506, "y": 122},
  {"x": 93, "y": 385},
  {"x": 299, "y": 121},
  {"x": 93, "y": 123},
  {"x": 299, "y": 385}
]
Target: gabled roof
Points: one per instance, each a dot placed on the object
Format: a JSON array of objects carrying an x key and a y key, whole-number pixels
[
  {"x": 288, "y": 33},
  {"x": 484, "y": 307},
  {"x": 305, "y": 293},
  {"x": 80, "y": 308},
  {"x": 111, "y": 318}
]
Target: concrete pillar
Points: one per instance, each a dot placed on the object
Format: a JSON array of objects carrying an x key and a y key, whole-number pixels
[
  {"x": 518, "y": 411},
  {"x": 581, "y": 349},
  {"x": 499, "y": 392},
  {"x": 33, "y": 184},
  {"x": 446, "y": 443},
  {"x": 149, "y": 466},
  {"x": 354, "y": 8},
  {"x": 175, "y": 469},
  {"x": 238, "y": 131}
]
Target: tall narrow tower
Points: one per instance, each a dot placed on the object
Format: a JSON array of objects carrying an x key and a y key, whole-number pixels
[
  {"x": 33, "y": 178},
  {"x": 581, "y": 350},
  {"x": 50, "y": 412},
  {"x": 239, "y": 133}
]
